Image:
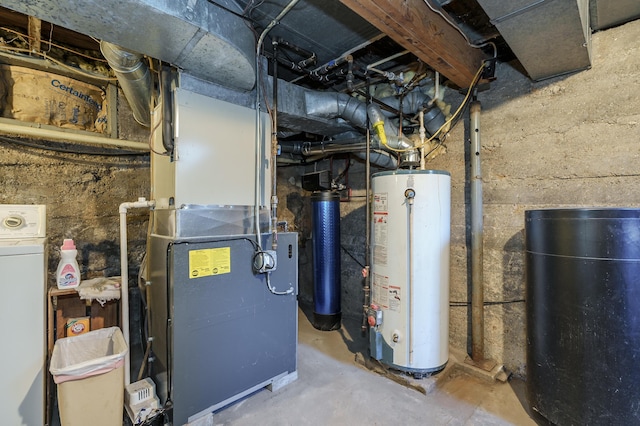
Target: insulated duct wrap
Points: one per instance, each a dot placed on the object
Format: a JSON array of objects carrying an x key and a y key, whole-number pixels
[{"x": 325, "y": 219}]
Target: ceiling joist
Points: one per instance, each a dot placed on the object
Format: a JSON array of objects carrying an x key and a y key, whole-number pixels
[{"x": 414, "y": 26}]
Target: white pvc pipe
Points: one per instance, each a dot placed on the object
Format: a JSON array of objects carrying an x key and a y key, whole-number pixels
[
  {"x": 387, "y": 59},
  {"x": 58, "y": 135},
  {"x": 124, "y": 276}
]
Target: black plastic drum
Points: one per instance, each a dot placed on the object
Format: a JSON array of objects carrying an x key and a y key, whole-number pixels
[{"x": 583, "y": 315}]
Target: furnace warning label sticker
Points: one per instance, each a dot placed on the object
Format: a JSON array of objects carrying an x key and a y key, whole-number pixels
[{"x": 207, "y": 262}]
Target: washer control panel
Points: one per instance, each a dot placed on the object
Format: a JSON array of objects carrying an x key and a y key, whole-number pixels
[{"x": 22, "y": 221}]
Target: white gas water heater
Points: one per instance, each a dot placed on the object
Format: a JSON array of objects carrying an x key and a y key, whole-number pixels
[{"x": 409, "y": 311}]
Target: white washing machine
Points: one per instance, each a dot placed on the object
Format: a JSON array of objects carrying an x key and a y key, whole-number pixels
[{"x": 23, "y": 264}]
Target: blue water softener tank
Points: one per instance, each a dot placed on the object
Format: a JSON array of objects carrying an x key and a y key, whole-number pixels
[
  {"x": 325, "y": 206},
  {"x": 583, "y": 315}
]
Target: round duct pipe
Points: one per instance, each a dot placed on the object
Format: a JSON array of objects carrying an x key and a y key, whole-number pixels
[{"x": 134, "y": 78}]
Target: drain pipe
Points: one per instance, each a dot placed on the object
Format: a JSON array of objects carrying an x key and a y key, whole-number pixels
[
  {"x": 134, "y": 78},
  {"x": 124, "y": 276},
  {"x": 477, "y": 290},
  {"x": 258, "y": 159}
]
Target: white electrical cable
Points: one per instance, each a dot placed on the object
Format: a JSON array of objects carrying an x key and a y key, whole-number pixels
[{"x": 456, "y": 27}]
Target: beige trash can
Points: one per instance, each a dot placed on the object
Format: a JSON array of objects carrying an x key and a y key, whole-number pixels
[{"x": 89, "y": 372}]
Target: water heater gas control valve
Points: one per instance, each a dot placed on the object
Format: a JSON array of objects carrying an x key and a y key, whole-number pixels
[{"x": 374, "y": 315}]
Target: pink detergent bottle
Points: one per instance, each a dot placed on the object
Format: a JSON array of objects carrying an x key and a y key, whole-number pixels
[{"x": 68, "y": 272}]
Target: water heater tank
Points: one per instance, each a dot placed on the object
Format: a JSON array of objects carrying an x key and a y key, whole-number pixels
[{"x": 409, "y": 313}]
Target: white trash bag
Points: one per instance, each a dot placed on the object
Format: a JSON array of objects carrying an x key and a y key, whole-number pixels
[{"x": 90, "y": 354}]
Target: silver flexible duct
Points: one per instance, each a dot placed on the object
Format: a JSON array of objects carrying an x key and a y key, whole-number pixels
[{"x": 134, "y": 78}]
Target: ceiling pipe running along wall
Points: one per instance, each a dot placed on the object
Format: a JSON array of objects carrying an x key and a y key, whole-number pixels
[
  {"x": 357, "y": 147},
  {"x": 134, "y": 78}
]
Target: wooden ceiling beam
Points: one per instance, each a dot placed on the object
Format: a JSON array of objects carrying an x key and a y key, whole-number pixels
[{"x": 414, "y": 26}]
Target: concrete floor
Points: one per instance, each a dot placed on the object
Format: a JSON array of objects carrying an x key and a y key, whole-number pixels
[{"x": 333, "y": 389}]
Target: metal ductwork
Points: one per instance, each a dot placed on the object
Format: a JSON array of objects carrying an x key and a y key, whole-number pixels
[
  {"x": 412, "y": 103},
  {"x": 549, "y": 37},
  {"x": 379, "y": 158},
  {"x": 354, "y": 111},
  {"x": 391, "y": 137},
  {"x": 134, "y": 78},
  {"x": 197, "y": 36},
  {"x": 606, "y": 13},
  {"x": 332, "y": 105}
]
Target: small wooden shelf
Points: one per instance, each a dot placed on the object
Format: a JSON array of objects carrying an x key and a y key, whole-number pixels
[{"x": 64, "y": 304}]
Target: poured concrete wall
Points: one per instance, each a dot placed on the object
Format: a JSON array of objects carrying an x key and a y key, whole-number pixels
[{"x": 569, "y": 141}]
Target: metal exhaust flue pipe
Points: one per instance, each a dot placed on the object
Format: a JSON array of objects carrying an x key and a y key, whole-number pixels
[{"x": 134, "y": 78}]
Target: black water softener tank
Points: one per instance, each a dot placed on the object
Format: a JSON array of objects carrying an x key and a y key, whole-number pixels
[{"x": 583, "y": 315}]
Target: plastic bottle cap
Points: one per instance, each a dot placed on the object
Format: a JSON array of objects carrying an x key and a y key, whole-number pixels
[{"x": 68, "y": 244}]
